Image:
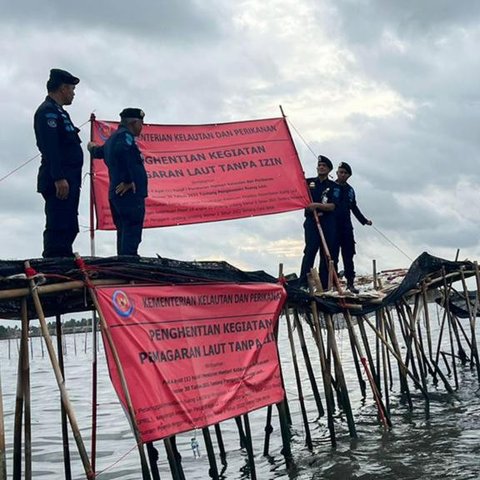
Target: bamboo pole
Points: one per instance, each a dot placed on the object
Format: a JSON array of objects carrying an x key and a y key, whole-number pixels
[
  {"x": 175, "y": 466},
  {"x": 449, "y": 321},
  {"x": 118, "y": 365},
  {"x": 19, "y": 401},
  {"x": 390, "y": 328},
  {"x": 399, "y": 360},
  {"x": 3, "y": 456},
  {"x": 55, "y": 288},
  {"x": 59, "y": 377},
  {"x": 221, "y": 445},
  {"x": 63, "y": 414},
  {"x": 326, "y": 375},
  {"x": 153, "y": 458},
  {"x": 471, "y": 317},
  {"x": 26, "y": 392},
  {"x": 250, "y": 455},
  {"x": 308, "y": 438},
  {"x": 213, "y": 470},
  {"x": 308, "y": 363},
  {"x": 382, "y": 412},
  {"x": 427, "y": 320},
  {"x": 93, "y": 441},
  {"x": 342, "y": 384}
]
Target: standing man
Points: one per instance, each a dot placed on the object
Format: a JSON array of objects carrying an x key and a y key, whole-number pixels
[
  {"x": 128, "y": 180},
  {"x": 346, "y": 240},
  {"x": 60, "y": 172},
  {"x": 325, "y": 196}
]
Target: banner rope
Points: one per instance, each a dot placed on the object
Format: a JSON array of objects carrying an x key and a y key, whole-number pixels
[
  {"x": 30, "y": 160},
  {"x": 374, "y": 227},
  {"x": 116, "y": 462}
]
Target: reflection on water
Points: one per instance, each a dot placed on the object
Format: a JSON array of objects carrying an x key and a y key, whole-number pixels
[{"x": 447, "y": 446}]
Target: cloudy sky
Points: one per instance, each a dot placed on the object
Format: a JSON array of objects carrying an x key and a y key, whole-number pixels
[{"x": 389, "y": 86}]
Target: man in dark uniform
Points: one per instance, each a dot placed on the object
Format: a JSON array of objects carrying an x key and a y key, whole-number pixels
[
  {"x": 128, "y": 180},
  {"x": 346, "y": 240},
  {"x": 60, "y": 172},
  {"x": 325, "y": 195}
]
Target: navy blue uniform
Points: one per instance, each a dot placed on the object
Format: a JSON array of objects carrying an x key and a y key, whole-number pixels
[
  {"x": 125, "y": 164},
  {"x": 62, "y": 158},
  {"x": 321, "y": 192},
  {"x": 346, "y": 240}
]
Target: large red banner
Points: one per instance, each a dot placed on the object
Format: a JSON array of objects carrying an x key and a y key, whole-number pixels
[
  {"x": 194, "y": 355},
  {"x": 207, "y": 173}
]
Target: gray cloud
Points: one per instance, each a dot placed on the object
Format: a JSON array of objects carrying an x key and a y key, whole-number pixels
[{"x": 390, "y": 87}]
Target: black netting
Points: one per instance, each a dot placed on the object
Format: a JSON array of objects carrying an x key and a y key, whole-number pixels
[{"x": 166, "y": 271}]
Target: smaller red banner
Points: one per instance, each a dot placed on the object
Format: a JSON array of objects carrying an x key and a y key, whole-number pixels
[{"x": 194, "y": 355}]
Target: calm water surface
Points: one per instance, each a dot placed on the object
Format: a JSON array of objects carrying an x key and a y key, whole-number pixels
[{"x": 447, "y": 446}]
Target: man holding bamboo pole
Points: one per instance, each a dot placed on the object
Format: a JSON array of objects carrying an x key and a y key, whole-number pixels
[{"x": 325, "y": 196}]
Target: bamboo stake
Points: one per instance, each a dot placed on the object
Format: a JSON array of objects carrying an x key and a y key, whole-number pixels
[
  {"x": 175, "y": 466},
  {"x": 361, "y": 381},
  {"x": 66, "y": 447},
  {"x": 384, "y": 364},
  {"x": 308, "y": 363},
  {"x": 399, "y": 359},
  {"x": 342, "y": 384},
  {"x": 93, "y": 441},
  {"x": 19, "y": 400},
  {"x": 55, "y": 287},
  {"x": 153, "y": 458},
  {"x": 427, "y": 320},
  {"x": 3, "y": 456},
  {"x": 250, "y": 455},
  {"x": 390, "y": 327},
  {"x": 221, "y": 445},
  {"x": 59, "y": 377},
  {"x": 213, "y": 471},
  {"x": 308, "y": 438},
  {"x": 449, "y": 321},
  {"x": 118, "y": 365},
  {"x": 26, "y": 392},
  {"x": 326, "y": 375},
  {"x": 366, "y": 346},
  {"x": 382, "y": 412},
  {"x": 471, "y": 317}
]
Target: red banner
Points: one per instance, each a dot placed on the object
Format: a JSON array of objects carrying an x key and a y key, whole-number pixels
[
  {"x": 207, "y": 173},
  {"x": 194, "y": 355}
]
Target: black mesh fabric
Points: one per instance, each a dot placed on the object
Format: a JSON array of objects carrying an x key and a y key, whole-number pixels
[{"x": 165, "y": 271}]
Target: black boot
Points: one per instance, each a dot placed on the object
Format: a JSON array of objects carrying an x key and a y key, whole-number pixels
[{"x": 351, "y": 287}]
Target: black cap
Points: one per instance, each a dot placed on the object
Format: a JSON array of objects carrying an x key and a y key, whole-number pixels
[
  {"x": 58, "y": 77},
  {"x": 346, "y": 167},
  {"x": 326, "y": 161},
  {"x": 132, "y": 113}
]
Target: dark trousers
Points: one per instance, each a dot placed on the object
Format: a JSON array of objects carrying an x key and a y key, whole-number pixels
[
  {"x": 128, "y": 213},
  {"x": 346, "y": 245},
  {"x": 61, "y": 226},
  {"x": 313, "y": 246}
]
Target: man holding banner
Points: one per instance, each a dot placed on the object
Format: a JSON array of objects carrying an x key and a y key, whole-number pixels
[{"x": 128, "y": 183}]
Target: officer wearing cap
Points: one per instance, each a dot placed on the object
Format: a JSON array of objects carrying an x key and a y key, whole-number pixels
[
  {"x": 325, "y": 195},
  {"x": 128, "y": 180},
  {"x": 346, "y": 239},
  {"x": 60, "y": 172}
]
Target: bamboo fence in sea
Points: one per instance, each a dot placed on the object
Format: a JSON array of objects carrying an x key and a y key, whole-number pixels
[{"x": 389, "y": 332}]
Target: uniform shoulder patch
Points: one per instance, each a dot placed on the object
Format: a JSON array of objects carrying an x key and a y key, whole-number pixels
[
  {"x": 51, "y": 122},
  {"x": 129, "y": 139}
]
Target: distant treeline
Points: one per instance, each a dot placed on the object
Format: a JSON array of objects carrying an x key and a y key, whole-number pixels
[{"x": 70, "y": 326}]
